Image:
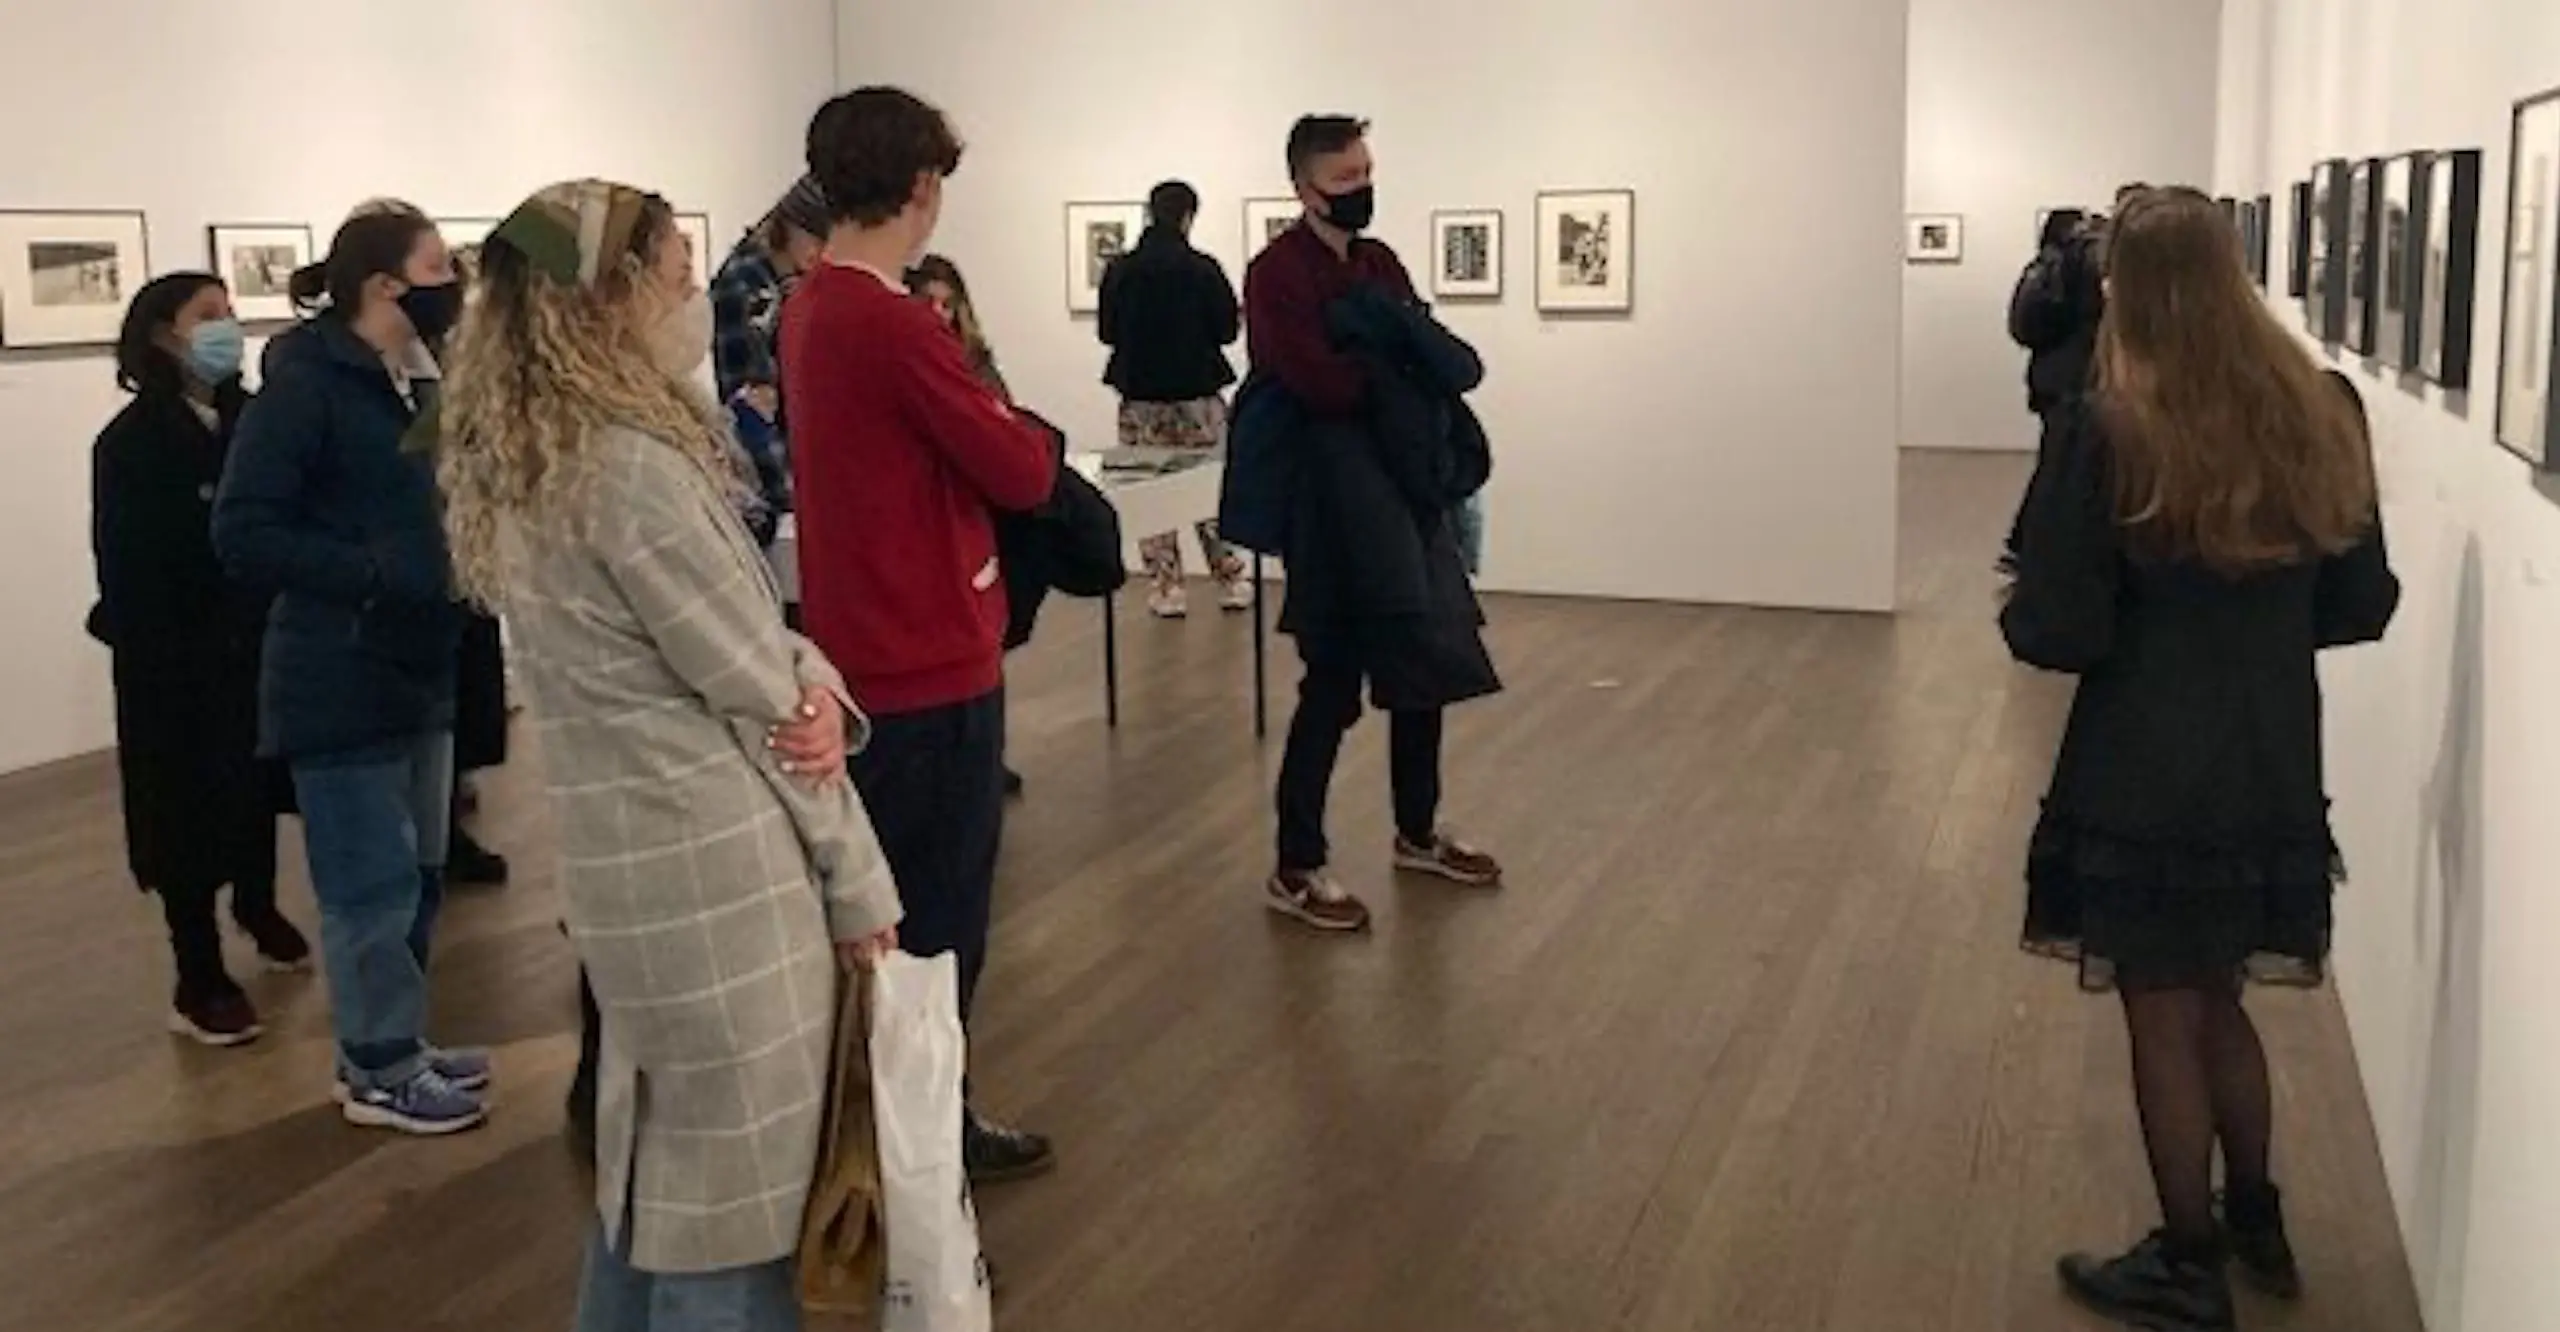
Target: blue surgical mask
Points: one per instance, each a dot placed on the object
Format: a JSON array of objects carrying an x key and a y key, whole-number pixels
[{"x": 215, "y": 350}]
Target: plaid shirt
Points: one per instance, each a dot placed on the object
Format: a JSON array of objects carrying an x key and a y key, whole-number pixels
[{"x": 746, "y": 312}]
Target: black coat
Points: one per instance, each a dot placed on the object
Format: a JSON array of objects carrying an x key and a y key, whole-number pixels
[
  {"x": 1375, "y": 568},
  {"x": 1168, "y": 312},
  {"x": 1070, "y": 544},
  {"x": 325, "y": 503},
  {"x": 2193, "y": 752},
  {"x": 2054, "y": 314},
  {"x": 199, "y": 807}
]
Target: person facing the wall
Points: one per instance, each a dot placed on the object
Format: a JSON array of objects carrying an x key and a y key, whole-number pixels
[
  {"x": 715, "y": 861},
  {"x": 1377, "y": 591},
  {"x": 900, "y": 451},
  {"x": 199, "y": 806},
  {"x": 1168, "y": 314},
  {"x": 746, "y": 311},
  {"x": 2197, "y": 531},
  {"x": 328, "y": 499}
]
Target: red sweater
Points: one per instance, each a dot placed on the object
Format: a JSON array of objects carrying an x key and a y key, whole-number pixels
[{"x": 898, "y": 452}]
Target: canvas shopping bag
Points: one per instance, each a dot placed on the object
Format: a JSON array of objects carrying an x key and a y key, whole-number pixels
[
  {"x": 842, "y": 1247},
  {"x": 937, "y": 1275}
]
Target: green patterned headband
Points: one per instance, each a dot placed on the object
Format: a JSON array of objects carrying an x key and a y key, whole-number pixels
[{"x": 573, "y": 231}]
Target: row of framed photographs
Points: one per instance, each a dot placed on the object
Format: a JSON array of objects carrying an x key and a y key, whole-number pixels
[
  {"x": 65, "y": 277},
  {"x": 1585, "y": 249}
]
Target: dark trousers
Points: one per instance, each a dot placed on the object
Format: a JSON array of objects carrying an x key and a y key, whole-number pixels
[
  {"x": 195, "y": 932},
  {"x": 1329, "y": 705},
  {"x": 933, "y": 782}
]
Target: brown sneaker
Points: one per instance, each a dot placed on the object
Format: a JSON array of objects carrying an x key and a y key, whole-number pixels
[
  {"x": 1450, "y": 859},
  {"x": 1314, "y": 899}
]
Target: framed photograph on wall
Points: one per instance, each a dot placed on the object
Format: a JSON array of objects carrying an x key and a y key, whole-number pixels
[
  {"x": 696, "y": 230},
  {"x": 65, "y": 277},
  {"x": 2449, "y": 264},
  {"x": 2364, "y": 252},
  {"x": 258, "y": 260},
  {"x": 1098, "y": 233},
  {"x": 1586, "y": 251},
  {"x": 1466, "y": 252},
  {"x": 1933, "y": 238},
  {"x": 2246, "y": 228},
  {"x": 1265, "y": 220},
  {"x": 2397, "y": 264},
  {"x": 2330, "y": 214},
  {"x": 2300, "y": 257},
  {"x": 2262, "y": 240},
  {"x": 464, "y": 236},
  {"x": 2532, "y": 310}
]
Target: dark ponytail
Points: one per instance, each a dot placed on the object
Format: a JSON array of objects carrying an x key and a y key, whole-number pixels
[{"x": 367, "y": 247}]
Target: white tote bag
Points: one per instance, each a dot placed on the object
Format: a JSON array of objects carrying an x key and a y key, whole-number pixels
[{"x": 937, "y": 1275}]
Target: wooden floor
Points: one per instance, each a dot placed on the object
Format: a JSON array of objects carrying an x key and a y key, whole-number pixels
[{"x": 1747, "y": 1044}]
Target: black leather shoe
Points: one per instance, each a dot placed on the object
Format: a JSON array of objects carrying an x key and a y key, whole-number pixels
[
  {"x": 995, "y": 1154},
  {"x": 2253, "y": 1225},
  {"x": 2155, "y": 1288}
]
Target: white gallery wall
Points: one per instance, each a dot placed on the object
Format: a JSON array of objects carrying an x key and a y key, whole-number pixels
[
  {"x": 2445, "y": 740},
  {"x": 1731, "y": 441},
  {"x": 293, "y": 110},
  {"x": 2016, "y": 106}
]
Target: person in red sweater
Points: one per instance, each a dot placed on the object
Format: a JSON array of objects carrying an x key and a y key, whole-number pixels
[
  {"x": 899, "y": 452},
  {"x": 1287, "y": 291}
]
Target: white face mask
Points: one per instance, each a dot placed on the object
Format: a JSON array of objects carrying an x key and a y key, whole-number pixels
[{"x": 681, "y": 341}]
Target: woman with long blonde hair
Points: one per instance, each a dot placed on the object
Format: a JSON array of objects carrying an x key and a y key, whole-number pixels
[
  {"x": 712, "y": 850},
  {"x": 2197, "y": 531}
]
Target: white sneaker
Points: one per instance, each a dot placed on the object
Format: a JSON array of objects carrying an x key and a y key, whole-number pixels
[
  {"x": 1169, "y": 603},
  {"x": 1236, "y": 595}
]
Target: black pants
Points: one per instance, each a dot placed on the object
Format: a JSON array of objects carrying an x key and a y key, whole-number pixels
[
  {"x": 1329, "y": 705},
  {"x": 195, "y": 932},
  {"x": 933, "y": 782}
]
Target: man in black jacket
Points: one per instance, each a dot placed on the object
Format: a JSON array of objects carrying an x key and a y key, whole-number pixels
[
  {"x": 1168, "y": 314},
  {"x": 2055, "y": 310}
]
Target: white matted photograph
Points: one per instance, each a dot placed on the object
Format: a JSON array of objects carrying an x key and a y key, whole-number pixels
[
  {"x": 1097, "y": 233},
  {"x": 696, "y": 229},
  {"x": 2526, "y": 353},
  {"x": 464, "y": 235},
  {"x": 1586, "y": 251},
  {"x": 1466, "y": 253},
  {"x": 1266, "y": 220},
  {"x": 258, "y": 261},
  {"x": 65, "y": 277},
  {"x": 1933, "y": 238}
]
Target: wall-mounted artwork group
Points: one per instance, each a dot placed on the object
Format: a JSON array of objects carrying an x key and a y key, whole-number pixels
[
  {"x": 2532, "y": 312},
  {"x": 2385, "y": 259}
]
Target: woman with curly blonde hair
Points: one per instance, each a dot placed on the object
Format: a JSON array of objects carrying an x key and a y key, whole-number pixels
[{"x": 694, "y": 749}]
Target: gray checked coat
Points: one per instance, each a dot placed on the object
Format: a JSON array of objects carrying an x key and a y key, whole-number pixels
[{"x": 704, "y": 887}]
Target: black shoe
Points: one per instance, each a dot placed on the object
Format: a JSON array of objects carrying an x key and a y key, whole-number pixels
[
  {"x": 2253, "y": 1225},
  {"x": 281, "y": 946},
  {"x": 214, "y": 1012},
  {"x": 471, "y": 865},
  {"x": 1012, "y": 784},
  {"x": 995, "y": 1154},
  {"x": 2154, "y": 1288}
]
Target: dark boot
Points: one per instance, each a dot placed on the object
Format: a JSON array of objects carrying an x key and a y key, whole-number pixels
[
  {"x": 281, "y": 945},
  {"x": 2159, "y": 1287},
  {"x": 2253, "y": 1224},
  {"x": 208, "y": 1006},
  {"x": 994, "y": 1154}
]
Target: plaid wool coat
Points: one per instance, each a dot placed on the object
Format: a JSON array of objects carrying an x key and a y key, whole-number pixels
[{"x": 703, "y": 886}]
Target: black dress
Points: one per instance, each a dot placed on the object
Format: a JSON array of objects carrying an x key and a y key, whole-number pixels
[
  {"x": 199, "y": 806},
  {"x": 2185, "y": 839}
]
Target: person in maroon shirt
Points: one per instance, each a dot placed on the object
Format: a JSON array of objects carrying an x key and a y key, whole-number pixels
[
  {"x": 899, "y": 452},
  {"x": 1324, "y": 259}
]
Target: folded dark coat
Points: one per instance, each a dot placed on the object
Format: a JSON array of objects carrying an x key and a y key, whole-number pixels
[{"x": 1070, "y": 544}]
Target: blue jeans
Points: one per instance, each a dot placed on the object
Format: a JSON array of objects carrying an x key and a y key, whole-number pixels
[
  {"x": 375, "y": 824},
  {"x": 614, "y": 1296}
]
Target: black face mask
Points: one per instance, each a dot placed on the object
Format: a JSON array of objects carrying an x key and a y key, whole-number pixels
[
  {"x": 433, "y": 311},
  {"x": 1352, "y": 210}
]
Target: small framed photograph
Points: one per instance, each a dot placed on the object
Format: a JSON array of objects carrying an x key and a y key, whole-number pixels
[
  {"x": 2397, "y": 264},
  {"x": 2330, "y": 215},
  {"x": 1933, "y": 238},
  {"x": 2298, "y": 256},
  {"x": 1466, "y": 249},
  {"x": 2262, "y": 240},
  {"x": 65, "y": 277},
  {"x": 2448, "y": 264},
  {"x": 1266, "y": 220},
  {"x": 2526, "y": 354},
  {"x": 258, "y": 261},
  {"x": 1098, "y": 233},
  {"x": 2364, "y": 256},
  {"x": 1586, "y": 251},
  {"x": 696, "y": 230},
  {"x": 464, "y": 236}
]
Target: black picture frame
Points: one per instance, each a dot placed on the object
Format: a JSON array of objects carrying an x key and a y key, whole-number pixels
[
  {"x": 2448, "y": 194},
  {"x": 2327, "y": 307},
  {"x": 2399, "y": 250},
  {"x": 2298, "y": 262},
  {"x": 2539, "y": 446},
  {"x": 2363, "y": 314},
  {"x": 2262, "y": 240},
  {"x": 25, "y": 325}
]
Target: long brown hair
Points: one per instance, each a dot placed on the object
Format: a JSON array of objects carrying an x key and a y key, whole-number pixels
[
  {"x": 936, "y": 269},
  {"x": 2229, "y": 449}
]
